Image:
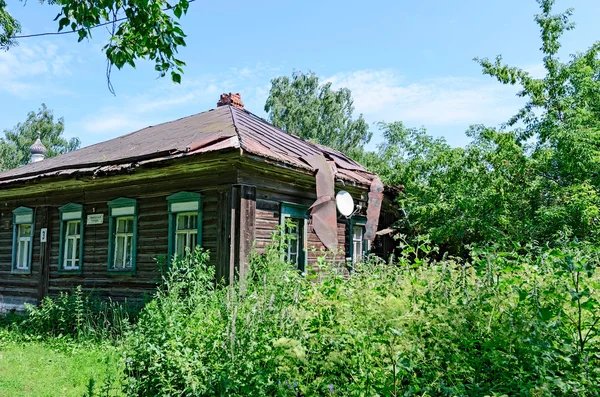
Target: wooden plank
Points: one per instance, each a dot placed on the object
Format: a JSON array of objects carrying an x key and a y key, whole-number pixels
[{"x": 245, "y": 226}]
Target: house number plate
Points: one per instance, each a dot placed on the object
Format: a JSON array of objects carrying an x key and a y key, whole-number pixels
[{"x": 43, "y": 235}]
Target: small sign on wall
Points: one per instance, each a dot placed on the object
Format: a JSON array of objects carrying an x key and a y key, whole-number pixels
[
  {"x": 95, "y": 219},
  {"x": 43, "y": 235}
]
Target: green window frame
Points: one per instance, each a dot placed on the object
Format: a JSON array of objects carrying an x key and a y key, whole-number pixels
[
  {"x": 70, "y": 249},
  {"x": 122, "y": 235},
  {"x": 184, "y": 206},
  {"x": 22, "y": 247},
  {"x": 297, "y": 214},
  {"x": 363, "y": 245}
]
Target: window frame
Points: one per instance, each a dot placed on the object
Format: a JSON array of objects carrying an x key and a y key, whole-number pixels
[
  {"x": 296, "y": 211},
  {"x": 22, "y": 216},
  {"x": 182, "y": 203},
  {"x": 366, "y": 245},
  {"x": 65, "y": 218},
  {"x": 122, "y": 208}
]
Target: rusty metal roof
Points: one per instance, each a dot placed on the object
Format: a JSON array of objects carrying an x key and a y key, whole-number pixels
[{"x": 226, "y": 127}]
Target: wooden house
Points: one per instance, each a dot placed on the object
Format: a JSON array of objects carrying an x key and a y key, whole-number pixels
[{"x": 225, "y": 179}]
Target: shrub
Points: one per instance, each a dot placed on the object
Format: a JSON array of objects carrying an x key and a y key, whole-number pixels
[
  {"x": 75, "y": 315},
  {"x": 499, "y": 324}
]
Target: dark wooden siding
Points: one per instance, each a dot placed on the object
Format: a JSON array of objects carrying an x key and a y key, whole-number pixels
[
  {"x": 152, "y": 234},
  {"x": 22, "y": 286},
  {"x": 274, "y": 187}
]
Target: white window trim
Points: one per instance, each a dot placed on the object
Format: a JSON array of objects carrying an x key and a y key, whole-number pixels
[
  {"x": 185, "y": 233},
  {"x": 76, "y": 241},
  {"x": 126, "y": 237},
  {"x": 23, "y": 239}
]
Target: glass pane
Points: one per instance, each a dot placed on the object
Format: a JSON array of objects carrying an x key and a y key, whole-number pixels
[
  {"x": 187, "y": 222},
  {"x": 119, "y": 249},
  {"x": 358, "y": 233},
  {"x": 25, "y": 255},
  {"x": 180, "y": 244},
  {"x": 22, "y": 254},
  {"x": 70, "y": 244},
  {"x": 124, "y": 225},
  {"x": 24, "y": 230},
  {"x": 129, "y": 252},
  {"x": 73, "y": 228},
  {"x": 193, "y": 240},
  {"x": 76, "y": 243},
  {"x": 129, "y": 225},
  {"x": 357, "y": 250},
  {"x": 120, "y": 225}
]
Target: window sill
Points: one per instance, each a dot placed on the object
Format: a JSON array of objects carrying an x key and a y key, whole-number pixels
[
  {"x": 21, "y": 271},
  {"x": 124, "y": 272},
  {"x": 69, "y": 271}
]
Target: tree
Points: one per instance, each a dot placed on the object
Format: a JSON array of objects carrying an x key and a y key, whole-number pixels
[
  {"x": 301, "y": 106},
  {"x": 139, "y": 29},
  {"x": 14, "y": 147},
  {"x": 562, "y": 114},
  {"x": 535, "y": 179},
  {"x": 457, "y": 196}
]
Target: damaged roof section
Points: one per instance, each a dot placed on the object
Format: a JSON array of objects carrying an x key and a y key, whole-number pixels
[{"x": 227, "y": 127}]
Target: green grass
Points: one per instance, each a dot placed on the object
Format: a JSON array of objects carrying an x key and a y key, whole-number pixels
[{"x": 39, "y": 369}]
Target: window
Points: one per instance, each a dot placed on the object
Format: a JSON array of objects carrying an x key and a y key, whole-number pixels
[
  {"x": 122, "y": 243},
  {"x": 359, "y": 247},
  {"x": 294, "y": 225},
  {"x": 185, "y": 222},
  {"x": 186, "y": 235},
  {"x": 70, "y": 257},
  {"x": 22, "y": 240}
]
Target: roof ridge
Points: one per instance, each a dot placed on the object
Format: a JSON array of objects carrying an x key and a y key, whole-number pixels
[
  {"x": 235, "y": 127},
  {"x": 314, "y": 146}
]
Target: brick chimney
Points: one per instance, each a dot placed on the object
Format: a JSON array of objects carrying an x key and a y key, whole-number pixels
[{"x": 231, "y": 99}]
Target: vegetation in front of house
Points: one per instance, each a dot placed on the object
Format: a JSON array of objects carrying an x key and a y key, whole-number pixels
[{"x": 501, "y": 323}]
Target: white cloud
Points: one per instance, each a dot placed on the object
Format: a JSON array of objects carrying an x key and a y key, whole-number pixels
[
  {"x": 384, "y": 95},
  {"x": 447, "y": 104},
  {"x": 29, "y": 70},
  {"x": 167, "y": 101}
]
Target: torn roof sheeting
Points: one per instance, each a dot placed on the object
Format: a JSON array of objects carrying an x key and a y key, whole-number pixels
[
  {"x": 324, "y": 211},
  {"x": 224, "y": 128},
  {"x": 373, "y": 209}
]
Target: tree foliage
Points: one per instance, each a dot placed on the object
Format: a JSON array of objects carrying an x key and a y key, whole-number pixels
[
  {"x": 9, "y": 27},
  {"x": 14, "y": 147},
  {"x": 533, "y": 179},
  {"x": 139, "y": 29},
  {"x": 318, "y": 113}
]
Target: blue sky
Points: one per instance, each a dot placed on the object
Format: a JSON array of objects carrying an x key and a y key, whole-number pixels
[{"x": 403, "y": 60}]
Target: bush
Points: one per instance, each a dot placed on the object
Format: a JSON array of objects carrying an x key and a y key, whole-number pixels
[
  {"x": 75, "y": 315},
  {"x": 500, "y": 324}
]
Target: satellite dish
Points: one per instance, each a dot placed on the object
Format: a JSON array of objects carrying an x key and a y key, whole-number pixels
[{"x": 344, "y": 203}]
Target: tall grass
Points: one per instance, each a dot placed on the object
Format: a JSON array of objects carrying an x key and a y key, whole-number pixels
[
  {"x": 502, "y": 323},
  {"x": 77, "y": 316}
]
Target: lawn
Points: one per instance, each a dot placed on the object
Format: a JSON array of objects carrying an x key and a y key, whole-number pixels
[{"x": 39, "y": 369}]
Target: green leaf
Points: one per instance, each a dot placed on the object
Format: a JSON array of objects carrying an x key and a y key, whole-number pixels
[{"x": 176, "y": 77}]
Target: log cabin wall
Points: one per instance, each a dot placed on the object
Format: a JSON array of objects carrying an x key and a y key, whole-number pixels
[
  {"x": 150, "y": 189},
  {"x": 276, "y": 186},
  {"x": 239, "y": 194}
]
